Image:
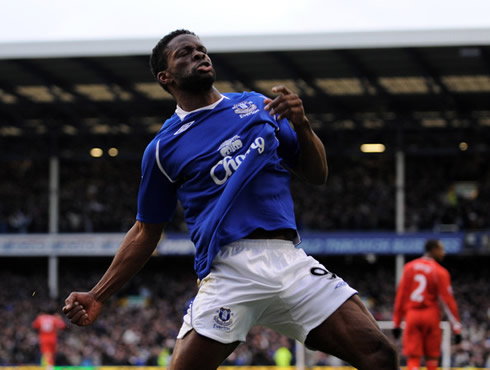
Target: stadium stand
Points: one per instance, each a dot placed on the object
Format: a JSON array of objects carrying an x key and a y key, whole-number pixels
[
  {"x": 431, "y": 103},
  {"x": 441, "y": 191},
  {"x": 359, "y": 196}
]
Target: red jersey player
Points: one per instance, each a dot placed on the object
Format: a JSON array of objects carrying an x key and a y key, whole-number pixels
[
  {"x": 425, "y": 286},
  {"x": 48, "y": 325}
]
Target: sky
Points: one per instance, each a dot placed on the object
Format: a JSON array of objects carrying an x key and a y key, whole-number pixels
[{"x": 64, "y": 20}]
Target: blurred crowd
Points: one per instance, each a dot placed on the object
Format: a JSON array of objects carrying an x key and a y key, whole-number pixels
[
  {"x": 138, "y": 326},
  {"x": 442, "y": 193}
]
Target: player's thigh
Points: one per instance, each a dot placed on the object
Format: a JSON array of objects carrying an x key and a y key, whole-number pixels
[
  {"x": 433, "y": 338},
  {"x": 48, "y": 347},
  {"x": 195, "y": 351},
  {"x": 413, "y": 335},
  {"x": 350, "y": 333}
]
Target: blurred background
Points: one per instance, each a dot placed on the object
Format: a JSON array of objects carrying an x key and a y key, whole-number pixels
[{"x": 401, "y": 102}]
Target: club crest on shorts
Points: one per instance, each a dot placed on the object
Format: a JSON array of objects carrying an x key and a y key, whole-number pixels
[
  {"x": 223, "y": 319},
  {"x": 245, "y": 108}
]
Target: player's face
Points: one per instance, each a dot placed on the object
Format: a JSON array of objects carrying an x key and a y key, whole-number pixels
[
  {"x": 439, "y": 252},
  {"x": 189, "y": 66}
]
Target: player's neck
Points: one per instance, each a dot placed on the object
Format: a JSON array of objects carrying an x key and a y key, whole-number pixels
[
  {"x": 189, "y": 102},
  {"x": 432, "y": 258}
]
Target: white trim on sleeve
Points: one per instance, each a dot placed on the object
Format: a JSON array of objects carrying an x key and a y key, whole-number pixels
[{"x": 157, "y": 156}]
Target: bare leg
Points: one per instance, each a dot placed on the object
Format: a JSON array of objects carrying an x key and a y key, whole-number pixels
[
  {"x": 352, "y": 334},
  {"x": 195, "y": 351}
]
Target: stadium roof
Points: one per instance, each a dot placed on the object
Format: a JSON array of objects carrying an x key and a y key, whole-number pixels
[
  {"x": 417, "y": 90},
  {"x": 253, "y": 43}
]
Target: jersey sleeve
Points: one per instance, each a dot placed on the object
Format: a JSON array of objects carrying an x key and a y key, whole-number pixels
[
  {"x": 447, "y": 299},
  {"x": 157, "y": 195},
  {"x": 288, "y": 143}
]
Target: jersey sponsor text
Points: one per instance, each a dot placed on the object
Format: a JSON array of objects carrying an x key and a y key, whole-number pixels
[{"x": 229, "y": 165}]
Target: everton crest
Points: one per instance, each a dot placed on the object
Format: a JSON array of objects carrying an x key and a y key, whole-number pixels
[
  {"x": 223, "y": 317},
  {"x": 245, "y": 108}
]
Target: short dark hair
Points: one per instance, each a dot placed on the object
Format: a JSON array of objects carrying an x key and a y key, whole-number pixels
[
  {"x": 431, "y": 244},
  {"x": 158, "y": 58}
]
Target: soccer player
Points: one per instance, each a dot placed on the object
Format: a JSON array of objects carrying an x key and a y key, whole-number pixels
[
  {"x": 228, "y": 158},
  {"x": 423, "y": 285},
  {"x": 48, "y": 324}
]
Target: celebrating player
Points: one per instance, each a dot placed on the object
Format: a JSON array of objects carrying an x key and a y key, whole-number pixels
[
  {"x": 423, "y": 284},
  {"x": 48, "y": 324},
  {"x": 227, "y": 158}
]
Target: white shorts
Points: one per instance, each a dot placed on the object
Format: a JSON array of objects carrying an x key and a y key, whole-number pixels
[{"x": 264, "y": 282}]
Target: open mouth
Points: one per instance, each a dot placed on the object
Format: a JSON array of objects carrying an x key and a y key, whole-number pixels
[{"x": 204, "y": 67}]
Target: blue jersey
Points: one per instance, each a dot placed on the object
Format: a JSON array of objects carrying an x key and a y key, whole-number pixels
[{"x": 226, "y": 164}]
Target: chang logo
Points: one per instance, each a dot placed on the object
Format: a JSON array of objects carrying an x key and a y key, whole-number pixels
[
  {"x": 222, "y": 170},
  {"x": 230, "y": 146},
  {"x": 245, "y": 108}
]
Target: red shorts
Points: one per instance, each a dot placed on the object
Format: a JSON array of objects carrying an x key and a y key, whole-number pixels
[
  {"x": 48, "y": 347},
  {"x": 422, "y": 335}
]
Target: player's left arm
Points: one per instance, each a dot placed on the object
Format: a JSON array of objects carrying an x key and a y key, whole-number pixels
[
  {"x": 312, "y": 162},
  {"x": 447, "y": 299}
]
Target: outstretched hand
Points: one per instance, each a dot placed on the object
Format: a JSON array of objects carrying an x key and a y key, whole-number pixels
[
  {"x": 286, "y": 105},
  {"x": 81, "y": 308}
]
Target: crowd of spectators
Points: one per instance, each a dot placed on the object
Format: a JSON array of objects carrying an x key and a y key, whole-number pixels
[
  {"x": 99, "y": 195},
  {"x": 24, "y": 194},
  {"x": 138, "y": 326}
]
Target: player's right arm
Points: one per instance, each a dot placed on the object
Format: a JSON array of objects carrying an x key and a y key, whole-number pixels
[
  {"x": 82, "y": 308},
  {"x": 402, "y": 293},
  {"x": 399, "y": 310},
  {"x": 157, "y": 200}
]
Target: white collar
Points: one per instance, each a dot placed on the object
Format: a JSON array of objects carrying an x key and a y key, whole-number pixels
[{"x": 182, "y": 113}]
